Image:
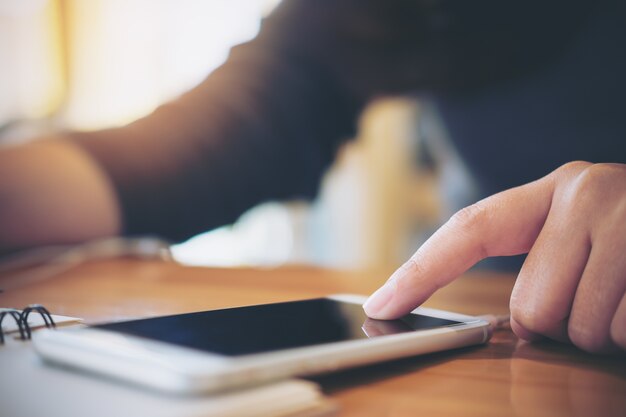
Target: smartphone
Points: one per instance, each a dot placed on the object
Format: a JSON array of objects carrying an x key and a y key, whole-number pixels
[{"x": 222, "y": 349}]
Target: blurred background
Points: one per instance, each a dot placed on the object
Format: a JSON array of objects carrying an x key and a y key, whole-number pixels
[{"x": 89, "y": 64}]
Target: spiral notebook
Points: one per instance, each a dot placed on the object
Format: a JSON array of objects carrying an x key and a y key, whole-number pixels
[
  {"x": 28, "y": 387},
  {"x": 39, "y": 317}
]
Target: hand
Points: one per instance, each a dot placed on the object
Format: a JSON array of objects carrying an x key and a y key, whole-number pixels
[
  {"x": 572, "y": 224},
  {"x": 52, "y": 192}
]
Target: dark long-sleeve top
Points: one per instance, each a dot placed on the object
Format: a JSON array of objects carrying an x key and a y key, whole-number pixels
[{"x": 522, "y": 87}]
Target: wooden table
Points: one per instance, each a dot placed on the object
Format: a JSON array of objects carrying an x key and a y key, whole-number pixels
[{"x": 505, "y": 377}]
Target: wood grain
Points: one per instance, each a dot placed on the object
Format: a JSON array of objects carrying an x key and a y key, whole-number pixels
[{"x": 505, "y": 377}]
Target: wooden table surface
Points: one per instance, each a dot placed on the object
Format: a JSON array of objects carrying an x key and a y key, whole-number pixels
[{"x": 506, "y": 377}]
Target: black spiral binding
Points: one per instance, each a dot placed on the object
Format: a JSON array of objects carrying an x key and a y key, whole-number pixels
[{"x": 22, "y": 319}]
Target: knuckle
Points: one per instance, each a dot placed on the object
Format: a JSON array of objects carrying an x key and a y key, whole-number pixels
[
  {"x": 472, "y": 221},
  {"x": 595, "y": 177},
  {"x": 522, "y": 307},
  {"x": 474, "y": 216},
  {"x": 534, "y": 317},
  {"x": 584, "y": 337},
  {"x": 593, "y": 191},
  {"x": 572, "y": 168},
  {"x": 515, "y": 306},
  {"x": 585, "y": 186},
  {"x": 412, "y": 271},
  {"x": 518, "y": 314},
  {"x": 521, "y": 332},
  {"x": 592, "y": 175},
  {"x": 618, "y": 334},
  {"x": 526, "y": 317}
]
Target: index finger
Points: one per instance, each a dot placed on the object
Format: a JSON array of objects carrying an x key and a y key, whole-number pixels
[{"x": 504, "y": 224}]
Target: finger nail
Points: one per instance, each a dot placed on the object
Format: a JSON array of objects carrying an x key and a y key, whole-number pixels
[{"x": 377, "y": 301}]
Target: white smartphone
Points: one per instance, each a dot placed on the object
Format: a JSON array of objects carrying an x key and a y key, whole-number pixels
[{"x": 222, "y": 349}]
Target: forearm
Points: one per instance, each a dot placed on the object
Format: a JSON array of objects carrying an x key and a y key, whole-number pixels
[
  {"x": 52, "y": 192},
  {"x": 264, "y": 126}
]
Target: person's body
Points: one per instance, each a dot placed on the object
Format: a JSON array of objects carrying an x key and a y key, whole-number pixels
[{"x": 525, "y": 90}]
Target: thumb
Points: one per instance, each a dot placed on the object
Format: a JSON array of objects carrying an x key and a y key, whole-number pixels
[{"x": 504, "y": 224}]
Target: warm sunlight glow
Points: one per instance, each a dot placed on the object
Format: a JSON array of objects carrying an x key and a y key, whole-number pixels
[{"x": 131, "y": 55}]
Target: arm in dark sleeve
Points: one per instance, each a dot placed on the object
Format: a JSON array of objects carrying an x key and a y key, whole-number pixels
[
  {"x": 263, "y": 126},
  {"x": 266, "y": 123}
]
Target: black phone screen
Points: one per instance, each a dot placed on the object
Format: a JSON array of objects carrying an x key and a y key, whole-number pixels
[{"x": 269, "y": 327}]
